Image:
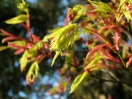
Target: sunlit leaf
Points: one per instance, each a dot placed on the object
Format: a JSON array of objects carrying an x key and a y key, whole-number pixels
[
  {"x": 62, "y": 42},
  {"x": 33, "y": 52},
  {"x": 94, "y": 61},
  {"x": 56, "y": 55},
  {"x": 129, "y": 61},
  {"x": 18, "y": 43},
  {"x": 59, "y": 31},
  {"x": 80, "y": 10},
  {"x": 127, "y": 15},
  {"x": 23, "y": 6},
  {"x": 101, "y": 7},
  {"x": 78, "y": 81},
  {"x": 32, "y": 73},
  {"x": 23, "y": 61},
  {"x": 18, "y": 19}
]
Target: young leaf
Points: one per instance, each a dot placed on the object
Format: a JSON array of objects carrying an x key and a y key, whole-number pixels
[
  {"x": 23, "y": 61},
  {"x": 81, "y": 10},
  {"x": 23, "y": 6},
  {"x": 18, "y": 19},
  {"x": 101, "y": 7},
  {"x": 63, "y": 41},
  {"x": 127, "y": 15},
  {"x": 4, "y": 48},
  {"x": 32, "y": 73},
  {"x": 100, "y": 65},
  {"x": 34, "y": 38},
  {"x": 18, "y": 43},
  {"x": 124, "y": 8},
  {"x": 56, "y": 55},
  {"x": 107, "y": 55},
  {"x": 6, "y": 33},
  {"x": 79, "y": 80},
  {"x": 95, "y": 49},
  {"x": 9, "y": 38},
  {"x": 59, "y": 31},
  {"x": 96, "y": 59},
  {"x": 129, "y": 61},
  {"x": 19, "y": 51}
]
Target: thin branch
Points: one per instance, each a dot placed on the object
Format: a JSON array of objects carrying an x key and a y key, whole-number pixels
[{"x": 114, "y": 81}]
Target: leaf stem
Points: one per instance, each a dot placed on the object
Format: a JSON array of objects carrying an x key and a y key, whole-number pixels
[
  {"x": 121, "y": 59},
  {"x": 28, "y": 21},
  {"x": 126, "y": 85}
]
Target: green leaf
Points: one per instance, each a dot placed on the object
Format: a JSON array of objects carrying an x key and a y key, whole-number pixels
[
  {"x": 33, "y": 52},
  {"x": 23, "y": 6},
  {"x": 96, "y": 59},
  {"x": 60, "y": 39},
  {"x": 34, "y": 69},
  {"x": 122, "y": 3},
  {"x": 18, "y": 43},
  {"x": 80, "y": 10},
  {"x": 23, "y": 61},
  {"x": 63, "y": 41},
  {"x": 18, "y": 19},
  {"x": 79, "y": 80},
  {"x": 4, "y": 48},
  {"x": 101, "y": 7},
  {"x": 123, "y": 11},
  {"x": 68, "y": 58},
  {"x": 56, "y": 55},
  {"x": 69, "y": 39},
  {"x": 32, "y": 73},
  {"x": 59, "y": 31},
  {"x": 83, "y": 77},
  {"x": 54, "y": 30},
  {"x": 127, "y": 15}
]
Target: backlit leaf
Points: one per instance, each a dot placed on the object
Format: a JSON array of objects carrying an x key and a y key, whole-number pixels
[
  {"x": 23, "y": 6},
  {"x": 94, "y": 61},
  {"x": 18, "y": 43},
  {"x": 59, "y": 32},
  {"x": 101, "y": 7},
  {"x": 23, "y": 61},
  {"x": 81, "y": 10},
  {"x": 18, "y": 19},
  {"x": 32, "y": 73},
  {"x": 62, "y": 42},
  {"x": 127, "y": 15},
  {"x": 56, "y": 55},
  {"x": 78, "y": 81}
]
